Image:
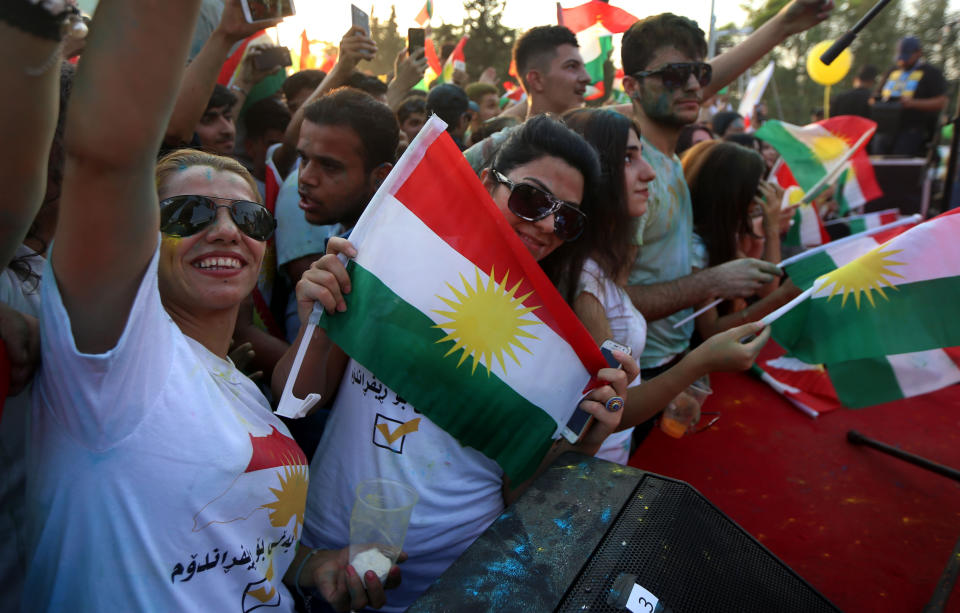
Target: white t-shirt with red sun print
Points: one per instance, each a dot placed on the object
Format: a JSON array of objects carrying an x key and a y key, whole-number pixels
[{"x": 159, "y": 479}]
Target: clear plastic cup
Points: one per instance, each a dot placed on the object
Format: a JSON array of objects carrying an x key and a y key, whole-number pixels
[
  {"x": 378, "y": 525},
  {"x": 683, "y": 412}
]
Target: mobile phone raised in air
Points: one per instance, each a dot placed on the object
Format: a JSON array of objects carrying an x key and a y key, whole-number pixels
[
  {"x": 416, "y": 39},
  {"x": 260, "y": 10},
  {"x": 271, "y": 57},
  {"x": 360, "y": 18},
  {"x": 577, "y": 424}
]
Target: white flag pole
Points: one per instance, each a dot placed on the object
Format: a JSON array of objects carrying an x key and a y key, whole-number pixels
[
  {"x": 291, "y": 406},
  {"x": 772, "y": 317},
  {"x": 838, "y": 220},
  {"x": 916, "y": 218},
  {"x": 698, "y": 313}
]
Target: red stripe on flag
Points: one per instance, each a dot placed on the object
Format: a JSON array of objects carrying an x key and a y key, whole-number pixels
[
  {"x": 430, "y": 52},
  {"x": 579, "y": 18},
  {"x": 954, "y": 354},
  {"x": 444, "y": 193},
  {"x": 865, "y": 177},
  {"x": 233, "y": 61}
]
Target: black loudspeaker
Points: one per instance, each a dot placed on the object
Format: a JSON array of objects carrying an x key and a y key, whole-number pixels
[
  {"x": 902, "y": 182},
  {"x": 587, "y": 530}
]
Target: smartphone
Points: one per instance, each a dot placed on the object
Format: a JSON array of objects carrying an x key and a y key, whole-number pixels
[
  {"x": 360, "y": 18},
  {"x": 260, "y": 10},
  {"x": 577, "y": 424},
  {"x": 271, "y": 57},
  {"x": 416, "y": 39}
]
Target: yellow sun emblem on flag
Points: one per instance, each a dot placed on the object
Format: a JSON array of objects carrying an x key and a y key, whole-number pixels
[
  {"x": 867, "y": 273},
  {"x": 828, "y": 148},
  {"x": 291, "y": 498},
  {"x": 486, "y": 320}
]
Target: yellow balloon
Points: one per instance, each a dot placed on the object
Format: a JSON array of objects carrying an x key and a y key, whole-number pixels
[{"x": 828, "y": 75}]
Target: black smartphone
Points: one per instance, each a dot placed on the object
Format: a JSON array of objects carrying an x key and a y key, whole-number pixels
[
  {"x": 416, "y": 39},
  {"x": 360, "y": 18},
  {"x": 271, "y": 57},
  {"x": 259, "y": 10}
]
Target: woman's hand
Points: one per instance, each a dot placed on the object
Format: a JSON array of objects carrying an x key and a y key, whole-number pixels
[
  {"x": 326, "y": 281},
  {"x": 606, "y": 421},
  {"x": 330, "y": 574},
  {"x": 725, "y": 352},
  {"x": 770, "y": 200}
]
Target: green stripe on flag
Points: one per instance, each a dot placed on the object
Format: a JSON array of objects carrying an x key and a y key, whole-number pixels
[
  {"x": 806, "y": 167},
  {"x": 864, "y": 383},
  {"x": 479, "y": 410},
  {"x": 911, "y": 318},
  {"x": 805, "y": 271}
]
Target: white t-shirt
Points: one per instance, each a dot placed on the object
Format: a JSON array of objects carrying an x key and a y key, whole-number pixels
[
  {"x": 24, "y": 296},
  {"x": 371, "y": 432},
  {"x": 158, "y": 479},
  {"x": 628, "y": 328}
]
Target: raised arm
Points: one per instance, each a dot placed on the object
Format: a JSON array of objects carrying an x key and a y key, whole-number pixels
[
  {"x": 796, "y": 17},
  {"x": 109, "y": 214},
  {"x": 201, "y": 75},
  {"x": 354, "y": 46},
  {"x": 28, "y": 117}
]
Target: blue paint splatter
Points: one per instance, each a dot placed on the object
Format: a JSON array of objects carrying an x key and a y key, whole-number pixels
[
  {"x": 520, "y": 549},
  {"x": 563, "y": 524},
  {"x": 605, "y": 516},
  {"x": 512, "y": 568}
]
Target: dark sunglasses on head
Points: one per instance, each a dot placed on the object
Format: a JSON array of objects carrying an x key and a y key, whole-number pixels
[
  {"x": 676, "y": 75},
  {"x": 531, "y": 203},
  {"x": 183, "y": 216}
]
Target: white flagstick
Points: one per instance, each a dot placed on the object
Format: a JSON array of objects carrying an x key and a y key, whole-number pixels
[
  {"x": 291, "y": 406},
  {"x": 846, "y": 239},
  {"x": 833, "y": 174},
  {"x": 698, "y": 313},
  {"x": 772, "y": 317},
  {"x": 833, "y": 222}
]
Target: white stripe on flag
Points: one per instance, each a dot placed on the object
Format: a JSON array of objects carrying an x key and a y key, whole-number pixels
[
  {"x": 424, "y": 274},
  {"x": 923, "y": 371}
]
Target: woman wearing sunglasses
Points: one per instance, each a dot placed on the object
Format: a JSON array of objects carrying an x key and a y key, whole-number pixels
[
  {"x": 538, "y": 179},
  {"x": 602, "y": 263},
  {"x": 158, "y": 478}
]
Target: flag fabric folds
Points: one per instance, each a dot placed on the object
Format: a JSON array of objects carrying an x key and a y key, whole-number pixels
[
  {"x": 896, "y": 298},
  {"x": 820, "y": 149},
  {"x": 425, "y": 14},
  {"x": 456, "y": 61},
  {"x": 465, "y": 325},
  {"x": 579, "y": 18}
]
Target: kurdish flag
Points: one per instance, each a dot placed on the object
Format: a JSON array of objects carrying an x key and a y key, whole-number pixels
[
  {"x": 897, "y": 298},
  {"x": 425, "y": 14},
  {"x": 456, "y": 61},
  {"x": 823, "y": 149},
  {"x": 806, "y": 267},
  {"x": 806, "y": 229},
  {"x": 864, "y": 383},
  {"x": 449, "y": 309},
  {"x": 596, "y": 43},
  {"x": 868, "y": 221},
  {"x": 579, "y": 18}
]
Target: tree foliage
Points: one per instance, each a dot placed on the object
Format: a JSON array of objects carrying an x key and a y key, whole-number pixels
[
  {"x": 389, "y": 43},
  {"x": 491, "y": 42}
]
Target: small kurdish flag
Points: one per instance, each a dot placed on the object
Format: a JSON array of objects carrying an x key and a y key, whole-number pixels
[
  {"x": 820, "y": 150},
  {"x": 596, "y": 43},
  {"x": 449, "y": 309},
  {"x": 456, "y": 61},
  {"x": 868, "y": 221},
  {"x": 425, "y": 14},
  {"x": 897, "y": 298}
]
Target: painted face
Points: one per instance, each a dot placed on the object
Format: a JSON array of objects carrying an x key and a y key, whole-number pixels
[
  {"x": 217, "y": 267},
  {"x": 637, "y": 175},
  {"x": 676, "y": 107},
  {"x": 489, "y": 107},
  {"x": 566, "y": 80},
  {"x": 216, "y": 131},
  {"x": 551, "y": 174},
  {"x": 412, "y": 124},
  {"x": 334, "y": 186}
]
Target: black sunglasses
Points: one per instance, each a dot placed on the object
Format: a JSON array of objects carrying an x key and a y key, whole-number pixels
[
  {"x": 531, "y": 203},
  {"x": 186, "y": 215},
  {"x": 676, "y": 75}
]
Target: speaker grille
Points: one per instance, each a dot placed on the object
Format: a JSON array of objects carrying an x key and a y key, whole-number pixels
[{"x": 690, "y": 556}]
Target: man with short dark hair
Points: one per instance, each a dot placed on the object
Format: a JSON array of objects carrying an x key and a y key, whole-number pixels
[
  {"x": 667, "y": 79},
  {"x": 264, "y": 123},
  {"x": 216, "y": 131},
  {"x": 298, "y": 87},
  {"x": 551, "y": 69},
  {"x": 450, "y": 103},
  {"x": 921, "y": 93},
  {"x": 857, "y": 100}
]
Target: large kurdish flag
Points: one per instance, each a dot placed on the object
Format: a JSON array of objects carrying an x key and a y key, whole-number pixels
[
  {"x": 449, "y": 309},
  {"x": 821, "y": 149},
  {"x": 897, "y": 298}
]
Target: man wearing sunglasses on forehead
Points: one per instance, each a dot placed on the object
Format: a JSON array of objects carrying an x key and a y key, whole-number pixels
[{"x": 667, "y": 78}]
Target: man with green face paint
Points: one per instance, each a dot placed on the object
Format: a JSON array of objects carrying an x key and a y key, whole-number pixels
[{"x": 667, "y": 80}]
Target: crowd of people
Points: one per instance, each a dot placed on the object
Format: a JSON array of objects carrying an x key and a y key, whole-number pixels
[{"x": 165, "y": 242}]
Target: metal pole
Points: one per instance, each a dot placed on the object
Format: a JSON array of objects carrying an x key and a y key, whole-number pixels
[
  {"x": 776, "y": 95},
  {"x": 858, "y": 439},
  {"x": 941, "y": 593},
  {"x": 712, "y": 38}
]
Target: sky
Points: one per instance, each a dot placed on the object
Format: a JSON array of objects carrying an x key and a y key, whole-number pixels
[{"x": 327, "y": 20}]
